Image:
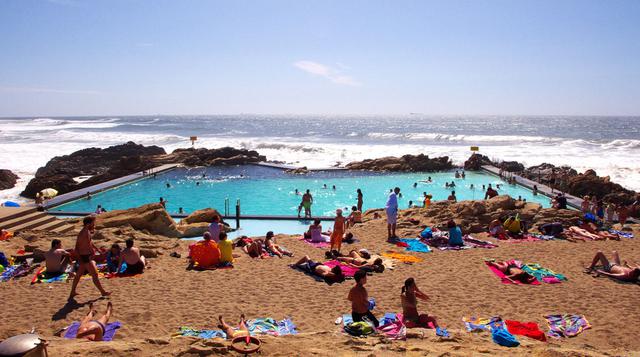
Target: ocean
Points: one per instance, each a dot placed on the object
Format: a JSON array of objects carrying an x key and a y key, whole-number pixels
[{"x": 609, "y": 145}]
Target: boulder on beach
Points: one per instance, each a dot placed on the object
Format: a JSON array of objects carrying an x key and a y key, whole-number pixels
[
  {"x": 476, "y": 161},
  {"x": 7, "y": 179},
  {"x": 152, "y": 218},
  {"x": 201, "y": 215}
]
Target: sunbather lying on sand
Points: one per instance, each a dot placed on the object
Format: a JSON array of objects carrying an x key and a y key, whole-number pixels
[
  {"x": 91, "y": 329},
  {"x": 513, "y": 273},
  {"x": 330, "y": 275},
  {"x": 254, "y": 248},
  {"x": 232, "y": 333},
  {"x": 575, "y": 233},
  {"x": 616, "y": 270},
  {"x": 361, "y": 263}
]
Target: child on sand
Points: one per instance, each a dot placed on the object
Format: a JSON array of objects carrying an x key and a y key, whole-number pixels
[
  {"x": 360, "y": 300},
  {"x": 338, "y": 231},
  {"x": 354, "y": 217},
  {"x": 226, "y": 250}
]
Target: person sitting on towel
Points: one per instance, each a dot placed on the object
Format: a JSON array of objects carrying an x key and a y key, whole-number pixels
[
  {"x": 272, "y": 247},
  {"x": 616, "y": 270},
  {"x": 136, "y": 262},
  {"x": 359, "y": 298},
  {"x": 455, "y": 234},
  {"x": 93, "y": 329},
  {"x": 409, "y": 299},
  {"x": 330, "y": 275},
  {"x": 56, "y": 259},
  {"x": 513, "y": 273},
  {"x": 315, "y": 233}
]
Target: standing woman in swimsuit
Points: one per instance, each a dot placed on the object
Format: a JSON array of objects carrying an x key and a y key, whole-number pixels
[
  {"x": 92, "y": 329},
  {"x": 359, "y": 199},
  {"x": 338, "y": 231}
]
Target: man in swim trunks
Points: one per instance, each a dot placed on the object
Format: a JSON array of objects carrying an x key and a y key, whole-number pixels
[
  {"x": 391, "y": 209},
  {"x": 135, "y": 261},
  {"x": 616, "y": 270},
  {"x": 330, "y": 275},
  {"x": 307, "y": 200},
  {"x": 92, "y": 329},
  {"x": 56, "y": 259},
  {"x": 85, "y": 249},
  {"x": 359, "y": 298}
]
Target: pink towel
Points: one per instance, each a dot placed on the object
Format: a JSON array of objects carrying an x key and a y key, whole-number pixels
[
  {"x": 503, "y": 277},
  {"x": 348, "y": 271},
  {"x": 317, "y": 245}
]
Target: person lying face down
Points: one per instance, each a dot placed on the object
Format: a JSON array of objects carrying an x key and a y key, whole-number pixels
[
  {"x": 330, "y": 275},
  {"x": 513, "y": 273}
]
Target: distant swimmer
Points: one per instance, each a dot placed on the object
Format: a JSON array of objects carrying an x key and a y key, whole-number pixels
[
  {"x": 197, "y": 183},
  {"x": 457, "y": 175},
  {"x": 415, "y": 184},
  {"x": 464, "y": 176},
  {"x": 429, "y": 179},
  {"x": 333, "y": 187},
  {"x": 324, "y": 186},
  {"x": 204, "y": 175},
  {"x": 297, "y": 192},
  {"x": 453, "y": 184},
  {"x": 168, "y": 185},
  {"x": 472, "y": 187}
]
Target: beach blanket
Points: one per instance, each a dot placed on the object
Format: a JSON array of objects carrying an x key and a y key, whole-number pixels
[
  {"x": 504, "y": 278},
  {"x": 191, "y": 332},
  {"x": 347, "y": 270},
  {"x": 566, "y": 325},
  {"x": 476, "y": 324},
  {"x": 523, "y": 239},
  {"x": 415, "y": 245},
  {"x": 441, "y": 242},
  {"x": 529, "y": 329},
  {"x": 621, "y": 234},
  {"x": 258, "y": 326},
  {"x": 402, "y": 257},
  {"x": 109, "y": 331},
  {"x": 392, "y": 327},
  {"x": 16, "y": 271},
  {"x": 469, "y": 241},
  {"x": 41, "y": 276},
  {"x": 543, "y": 274},
  {"x": 321, "y": 245}
]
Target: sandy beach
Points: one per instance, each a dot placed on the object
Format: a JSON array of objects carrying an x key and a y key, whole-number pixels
[{"x": 154, "y": 305}]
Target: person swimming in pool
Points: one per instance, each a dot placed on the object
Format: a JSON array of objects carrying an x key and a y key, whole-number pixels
[
  {"x": 93, "y": 329},
  {"x": 513, "y": 273},
  {"x": 307, "y": 201},
  {"x": 616, "y": 270},
  {"x": 457, "y": 175}
]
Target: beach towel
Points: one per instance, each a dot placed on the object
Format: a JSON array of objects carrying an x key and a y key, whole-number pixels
[
  {"x": 566, "y": 325},
  {"x": 529, "y": 329},
  {"x": 16, "y": 271},
  {"x": 109, "y": 331},
  {"x": 321, "y": 245},
  {"x": 523, "y": 239},
  {"x": 402, "y": 257},
  {"x": 392, "y": 327},
  {"x": 41, "y": 276},
  {"x": 503, "y": 337},
  {"x": 188, "y": 331},
  {"x": 543, "y": 274},
  {"x": 347, "y": 271},
  {"x": 472, "y": 242},
  {"x": 621, "y": 234},
  {"x": 475, "y": 324},
  {"x": 415, "y": 245},
  {"x": 504, "y": 278},
  {"x": 270, "y": 326}
]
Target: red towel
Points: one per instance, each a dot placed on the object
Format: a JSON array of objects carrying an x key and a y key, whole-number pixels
[{"x": 529, "y": 329}]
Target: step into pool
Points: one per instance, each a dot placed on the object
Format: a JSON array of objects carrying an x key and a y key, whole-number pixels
[{"x": 270, "y": 191}]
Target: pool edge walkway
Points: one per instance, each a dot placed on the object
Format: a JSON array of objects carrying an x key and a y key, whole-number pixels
[
  {"x": 572, "y": 201},
  {"x": 74, "y": 195}
]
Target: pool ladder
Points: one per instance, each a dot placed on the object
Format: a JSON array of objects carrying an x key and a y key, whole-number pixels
[{"x": 227, "y": 209}]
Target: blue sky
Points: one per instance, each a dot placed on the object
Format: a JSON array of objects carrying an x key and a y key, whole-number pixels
[{"x": 77, "y": 57}]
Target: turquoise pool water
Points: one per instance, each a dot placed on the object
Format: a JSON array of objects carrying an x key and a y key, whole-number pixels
[{"x": 269, "y": 191}]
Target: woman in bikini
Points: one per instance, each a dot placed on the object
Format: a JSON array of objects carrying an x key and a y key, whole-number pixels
[
  {"x": 409, "y": 299},
  {"x": 616, "y": 270},
  {"x": 513, "y": 272},
  {"x": 93, "y": 329},
  {"x": 358, "y": 262},
  {"x": 231, "y": 332},
  {"x": 271, "y": 246}
]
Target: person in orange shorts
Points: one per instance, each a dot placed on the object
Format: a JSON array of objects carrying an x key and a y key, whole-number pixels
[{"x": 338, "y": 231}]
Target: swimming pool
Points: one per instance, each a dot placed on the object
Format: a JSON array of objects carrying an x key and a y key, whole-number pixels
[{"x": 270, "y": 191}]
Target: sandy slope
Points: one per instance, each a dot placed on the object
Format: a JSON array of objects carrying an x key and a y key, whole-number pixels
[{"x": 154, "y": 305}]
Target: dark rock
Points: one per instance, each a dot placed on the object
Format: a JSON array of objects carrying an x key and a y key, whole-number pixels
[
  {"x": 7, "y": 179},
  {"x": 476, "y": 161},
  {"x": 511, "y": 166},
  {"x": 406, "y": 163},
  {"x": 211, "y": 157}
]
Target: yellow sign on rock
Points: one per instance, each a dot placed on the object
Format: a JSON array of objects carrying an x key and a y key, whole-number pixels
[
  {"x": 475, "y": 148},
  {"x": 193, "y": 140}
]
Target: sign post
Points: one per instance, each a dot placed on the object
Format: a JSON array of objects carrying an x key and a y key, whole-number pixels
[{"x": 193, "y": 140}]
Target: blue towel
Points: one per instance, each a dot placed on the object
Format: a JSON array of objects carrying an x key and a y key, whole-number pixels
[
  {"x": 388, "y": 318},
  {"x": 347, "y": 319},
  {"x": 415, "y": 245},
  {"x": 286, "y": 327}
]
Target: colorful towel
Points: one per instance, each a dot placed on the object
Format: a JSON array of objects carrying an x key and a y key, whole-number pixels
[
  {"x": 269, "y": 326},
  {"x": 402, "y": 257},
  {"x": 523, "y": 239},
  {"x": 504, "y": 278},
  {"x": 41, "y": 276},
  {"x": 16, "y": 271},
  {"x": 469, "y": 241},
  {"x": 415, "y": 245},
  {"x": 543, "y": 274},
  {"x": 393, "y": 328},
  {"x": 529, "y": 329},
  {"x": 441, "y": 242},
  {"x": 109, "y": 332},
  {"x": 188, "y": 331},
  {"x": 474, "y": 324},
  {"x": 621, "y": 234},
  {"x": 566, "y": 325},
  {"x": 347, "y": 270},
  {"x": 321, "y": 245}
]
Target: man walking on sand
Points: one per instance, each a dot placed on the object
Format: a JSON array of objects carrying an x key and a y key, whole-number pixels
[
  {"x": 391, "y": 209},
  {"x": 85, "y": 249}
]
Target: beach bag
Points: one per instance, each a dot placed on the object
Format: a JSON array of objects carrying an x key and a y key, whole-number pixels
[
  {"x": 360, "y": 328},
  {"x": 426, "y": 233},
  {"x": 512, "y": 224},
  {"x": 504, "y": 338}
]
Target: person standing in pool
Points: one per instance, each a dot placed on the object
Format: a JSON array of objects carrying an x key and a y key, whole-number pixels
[
  {"x": 391, "y": 209},
  {"x": 307, "y": 201},
  {"x": 85, "y": 250},
  {"x": 359, "y": 199}
]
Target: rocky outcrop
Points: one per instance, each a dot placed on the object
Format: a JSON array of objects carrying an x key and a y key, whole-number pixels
[
  {"x": 102, "y": 164},
  {"x": 203, "y": 215},
  {"x": 197, "y": 223},
  {"x": 511, "y": 166},
  {"x": 298, "y": 171},
  {"x": 476, "y": 161},
  {"x": 589, "y": 183},
  {"x": 211, "y": 157},
  {"x": 549, "y": 174},
  {"x": 151, "y": 218},
  {"x": 7, "y": 179},
  {"x": 406, "y": 163}
]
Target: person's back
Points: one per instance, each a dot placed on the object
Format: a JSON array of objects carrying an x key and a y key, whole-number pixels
[
  {"x": 214, "y": 229},
  {"x": 53, "y": 257},
  {"x": 409, "y": 305},
  {"x": 316, "y": 233},
  {"x": 359, "y": 299},
  {"x": 455, "y": 234},
  {"x": 131, "y": 255},
  {"x": 226, "y": 249}
]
